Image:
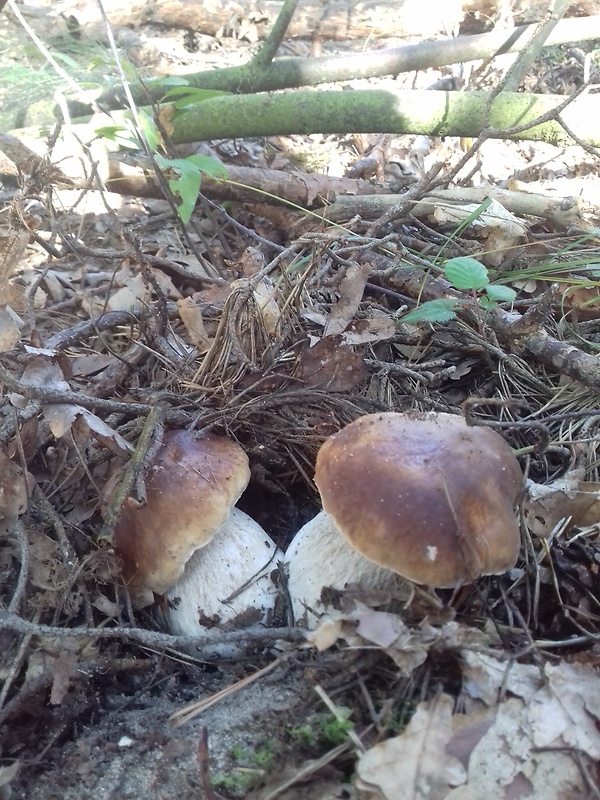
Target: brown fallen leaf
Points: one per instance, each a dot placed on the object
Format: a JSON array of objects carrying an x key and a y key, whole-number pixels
[
  {"x": 351, "y": 290},
  {"x": 414, "y": 765},
  {"x": 42, "y": 371},
  {"x": 568, "y": 498},
  {"x": 330, "y": 366}
]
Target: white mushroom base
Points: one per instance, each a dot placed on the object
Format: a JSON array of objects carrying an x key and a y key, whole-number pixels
[
  {"x": 319, "y": 556},
  {"x": 226, "y": 584}
]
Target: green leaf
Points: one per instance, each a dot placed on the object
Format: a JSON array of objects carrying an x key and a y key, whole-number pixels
[
  {"x": 172, "y": 80},
  {"x": 500, "y": 293},
  {"x": 184, "y": 96},
  {"x": 186, "y": 186},
  {"x": 442, "y": 310},
  {"x": 119, "y": 134},
  {"x": 150, "y": 130},
  {"x": 466, "y": 273},
  {"x": 211, "y": 166},
  {"x": 486, "y": 303}
]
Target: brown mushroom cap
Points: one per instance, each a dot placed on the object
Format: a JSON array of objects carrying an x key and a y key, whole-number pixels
[
  {"x": 424, "y": 495},
  {"x": 191, "y": 489}
]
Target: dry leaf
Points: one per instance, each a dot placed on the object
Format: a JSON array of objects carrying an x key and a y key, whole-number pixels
[
  {"x": 10, "y": 328},
  {"x": 351, "y": 289},
  {"x": 484, "y": 677},
  {"x": 534, "y": 746},
  {"x": 566, "y": 712},
  {"x": 504, "y": 765},
  {"x": 414, "y": 765},
  {"x": 585, "y": 299},
  {"x": 500, "y": 229},
  {"x": 330, "y": 366},
  {"x": 7, "y": 773},
  {"x": 326, "y": 633},
  {"x": 84, "y": 366},
  {"x": 14, "y": 490},
  {"x": 366, "y": 331},
  {"x": 134, "y": 292},
  {"x": 190, "y": 312},
  {"x": 408, "y": 648},
  {"x": 264, "y": 297},
  {"x": 64, "y": 669},
  {"x": 545, "y": 505},
  {"x": 42, "y": 371}
]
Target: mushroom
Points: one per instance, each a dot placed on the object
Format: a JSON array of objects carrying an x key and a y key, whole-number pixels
[
  {"x": 422, "y": 495},
  {"x": 213, "y": 562}
]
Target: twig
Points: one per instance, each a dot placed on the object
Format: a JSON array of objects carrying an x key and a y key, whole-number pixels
[
  {"x": 265, "y": 55},
  {"x": 306, "y": 770},
  {"x": 156, "y": 639},
  {"x": 204, "y": 765},
  {"x": 533, "y": 43},
  {"x": 53, "y": 396},
  {"x": 152, "y": 427},
  {"x": 20, "y": 532},
  {"x": 78, "y": 333}
]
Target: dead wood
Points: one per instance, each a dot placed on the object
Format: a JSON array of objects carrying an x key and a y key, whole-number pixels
[{"x": 338, "y": 20}]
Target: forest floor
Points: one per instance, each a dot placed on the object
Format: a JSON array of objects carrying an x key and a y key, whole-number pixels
[{"x": 490, "y": 690}]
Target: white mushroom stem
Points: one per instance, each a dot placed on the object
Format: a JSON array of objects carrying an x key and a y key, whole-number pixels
[
  {"x": 318, "y": 557},
  {"x": 227, "y": 582}
]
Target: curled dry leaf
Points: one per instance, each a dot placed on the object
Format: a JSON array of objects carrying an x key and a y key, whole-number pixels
[
  {"x": 408, "y": 647},
  {"x": 416, "y": 764},
  {"x": 351, "y": 289},
  {"x": 190, "y": 312},
  {"x": 264, "y": 297},
  {"x": 42, "y": 371},
  {"x": 567, "y": 498},
  {"x": 134, "y": 291}
]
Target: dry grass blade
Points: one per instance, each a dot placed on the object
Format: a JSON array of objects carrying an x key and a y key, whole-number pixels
[{"x": 305, "y": 772}]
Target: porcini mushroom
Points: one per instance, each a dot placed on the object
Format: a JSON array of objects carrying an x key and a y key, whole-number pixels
[
  {"x": 188, "y": 542},
  {"x": 424, "y": 496}
]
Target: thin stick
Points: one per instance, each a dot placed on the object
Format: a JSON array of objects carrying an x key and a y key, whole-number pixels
[
  {"x": 13, "y": 622},
  {"x": 189, "y": 712}
]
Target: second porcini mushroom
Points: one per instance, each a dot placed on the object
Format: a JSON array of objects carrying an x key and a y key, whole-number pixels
[
  {"x": 422, "y": 496},
  {"x": 211, "y": 561}
]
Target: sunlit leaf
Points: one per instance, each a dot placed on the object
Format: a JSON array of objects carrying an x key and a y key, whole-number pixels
[
  {"x": 211, "y": 166},
  {"x": 151, "y": 132}
]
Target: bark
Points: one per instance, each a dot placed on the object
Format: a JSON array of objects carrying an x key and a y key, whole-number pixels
[
  {"x": 290, "y": 73},
  {"x": 383, "y": 111},
  {"x": 560, "y": 212},
  {"x": 246, "y": 185}
]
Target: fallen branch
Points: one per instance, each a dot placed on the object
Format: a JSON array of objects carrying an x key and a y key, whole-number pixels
[
  {"x": 16, "y": 624},
  {"x": 290, "y": 73}
]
